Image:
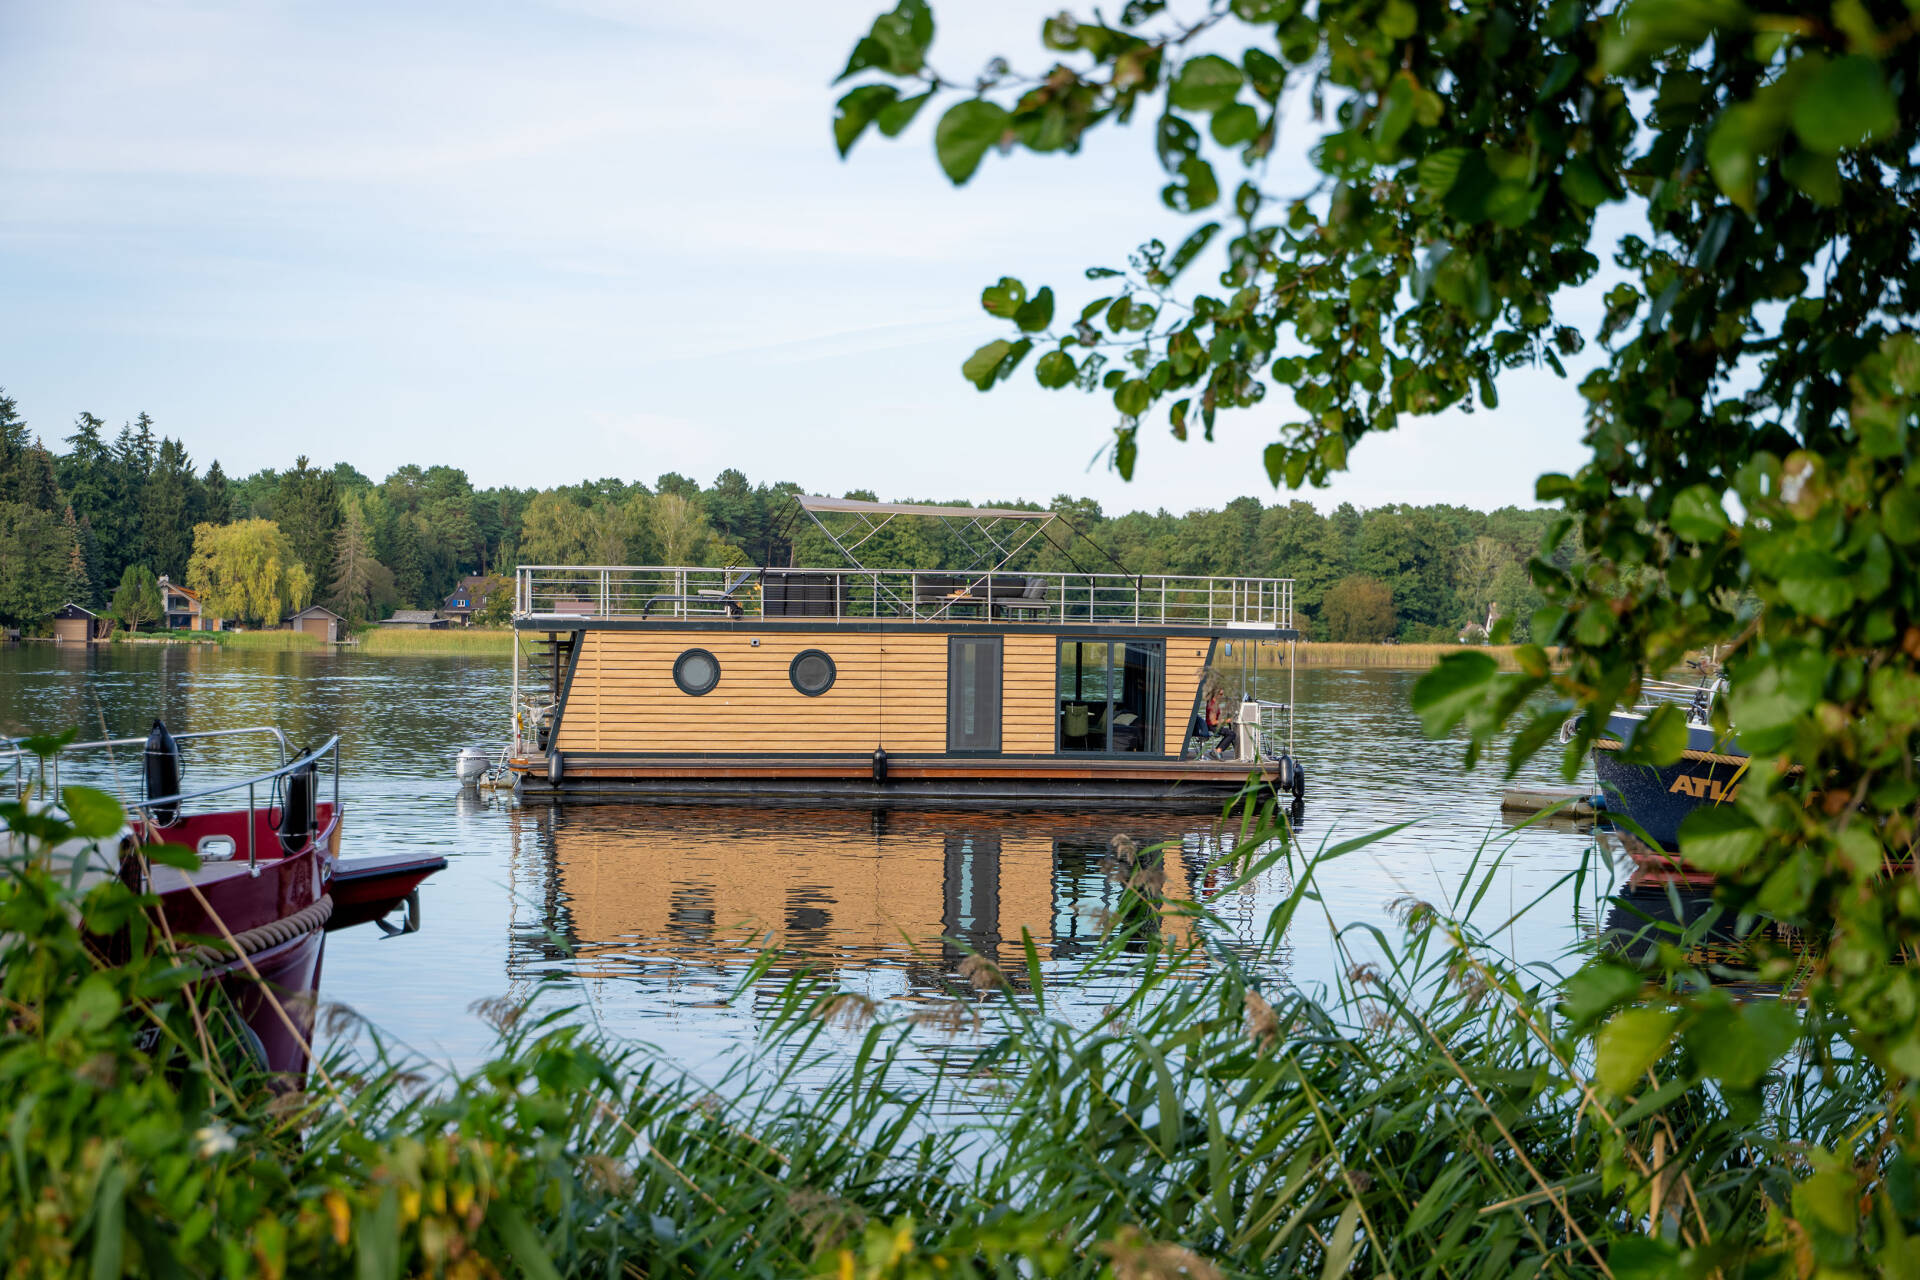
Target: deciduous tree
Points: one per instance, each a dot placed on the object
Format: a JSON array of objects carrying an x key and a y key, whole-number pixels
[
  {"x": 1358, "y": 611},
  {"x": 248, "y": 570},
  {"x": 136, "y": 602}
]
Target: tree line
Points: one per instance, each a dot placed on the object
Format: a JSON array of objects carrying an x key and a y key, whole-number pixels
[{"x": 108, "y": 514}]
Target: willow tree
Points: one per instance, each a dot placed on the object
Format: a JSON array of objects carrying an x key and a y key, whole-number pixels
[
  {"x": 1750, "y": 411},
  {"x": 248, "y": 570}
]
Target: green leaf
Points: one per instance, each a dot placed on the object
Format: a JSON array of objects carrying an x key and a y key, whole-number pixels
[
  {"x": 524, "y": 1243},
  {"x": 1190, "y": 249},
  {"x": 1399, "y": 20},
  {"x": 1206, "y": 83},
  {"x": 896, "y": 43},
  {"x": 1456, "y": 685},
  {"x": 1132, "y": 397},
  {"x": 95, "y": 815},
  {"x": 1198, "y": 188},
  {"x": 1778, "y": 694},
  {"x": 980, "y": 367},
  {"x": 1661, "y": 737},
  {"x": 1829, "y": 1199},
  {"x": 1036, "y": 314},
  {"x": 109, "y": 1224},
  {"x": 964, "y": 134},
  {"x": 1846, "y": 104},
  {"x": 171, "y": 855},
  {"x": 1629, "y": 1044},
  {"x": 1744, "y": 133},
  {"x": 1275, "y": 458},
  {"x": 1583, "y": 185},
  {"x": 1814, "y": 173},
  {"x": 893, "y": 120},
  {"x": 1396, "y": 113},
  {"x": 1597, "y": 987},
  {"x": 854, "y": 112},
  {"x": 1643, "y": 1258},
  {"x": 1436, "y": 173},
  {"x": 1055, "y": 370},
  {"x": 1720, "y": 838},
  {"x": 1697, "y": 514},
  {"x": 1739, "y": 1043},
  {"x": 1005, "y": 298},
  {"x": 1235, "y": 125}
]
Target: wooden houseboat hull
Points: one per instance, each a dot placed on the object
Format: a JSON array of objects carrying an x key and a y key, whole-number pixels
[{"x": 910, "y": 782}]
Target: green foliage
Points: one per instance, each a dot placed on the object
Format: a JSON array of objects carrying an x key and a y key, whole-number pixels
[
  {"x": 1434, "y": 1116},
  {"x": 248, "y": 570},
  {"x": 1358, "y": 610},
  {"x": 1750, "y": 419},
  {"x": 136, "y": 602}
]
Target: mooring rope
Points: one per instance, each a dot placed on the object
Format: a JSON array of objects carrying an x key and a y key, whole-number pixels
[{"x": 272, "y": 934}]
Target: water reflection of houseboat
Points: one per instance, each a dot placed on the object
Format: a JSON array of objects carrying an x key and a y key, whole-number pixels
[
  {"x": 670, "y": 887},
  {"x": 991, "y": 685}
]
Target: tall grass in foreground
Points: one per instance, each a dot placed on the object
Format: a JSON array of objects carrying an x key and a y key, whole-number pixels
[{"x": 1443, "y": 1113}]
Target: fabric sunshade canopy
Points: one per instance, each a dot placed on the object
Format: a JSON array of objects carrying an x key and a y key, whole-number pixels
[{"x": 809, "y": 502}]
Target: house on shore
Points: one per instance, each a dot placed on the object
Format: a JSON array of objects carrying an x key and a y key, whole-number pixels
[
  {"x": 469, "y": 598},
  {"x": 415, "y": 620},
  {"x": 182, "y": 610},
  {"x": 320, "y": 621},
  {"x": 75, "y": 624}
]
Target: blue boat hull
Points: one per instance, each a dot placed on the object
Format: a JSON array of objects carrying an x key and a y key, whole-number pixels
[{"x": 1657, "y": 799}]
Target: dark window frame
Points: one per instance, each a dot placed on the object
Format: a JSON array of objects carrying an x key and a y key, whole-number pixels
[
  {"x": 793, "y": 672},
  {"x": 680, "y": 680},
  {"x": 1111, "y": 677},
  {"x": 994, "y": 645}
]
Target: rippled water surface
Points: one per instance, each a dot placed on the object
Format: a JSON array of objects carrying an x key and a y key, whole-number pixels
[{"x": 648, "y": 918}]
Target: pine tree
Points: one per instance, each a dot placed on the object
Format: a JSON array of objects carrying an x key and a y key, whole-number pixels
[
  {"x": 357, "y": 575},
  {"x": 307, "y": 509},
  {"x": 216, "y": 499},
  {"x": 79, "y": 583},
  {"x": 167, "y": 509},
  {"x": 409, "y": 577}
]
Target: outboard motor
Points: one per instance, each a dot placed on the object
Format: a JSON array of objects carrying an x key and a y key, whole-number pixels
[
  {"x": 297, "y": 815},
  {"x": 162, "y": 770}
]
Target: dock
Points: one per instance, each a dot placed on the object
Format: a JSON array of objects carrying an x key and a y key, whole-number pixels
[{"x": 1535, "y": 799}]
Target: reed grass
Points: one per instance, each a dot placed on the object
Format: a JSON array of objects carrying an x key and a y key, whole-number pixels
[
  {"x": 387, "y": 641},
  {"x": 1319, "y": 653},
  {"x": 1437, "y": 1114},
  {"x": 273, "y": 641}
]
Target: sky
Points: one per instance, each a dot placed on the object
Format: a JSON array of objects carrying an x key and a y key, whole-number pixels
[{"x": 548, "y": 241}]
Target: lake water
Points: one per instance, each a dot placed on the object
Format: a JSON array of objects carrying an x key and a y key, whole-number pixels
[{"x": 647, "y": 918}]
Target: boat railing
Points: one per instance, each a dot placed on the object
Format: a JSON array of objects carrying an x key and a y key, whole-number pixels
[
  {"x": 564, "y": 593},
  {"x": 1696, "y": 699},
  {"x": 328, "y": 751}
]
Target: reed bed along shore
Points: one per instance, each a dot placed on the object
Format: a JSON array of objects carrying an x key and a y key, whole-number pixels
[
  {"x": 491, "y": 641},
  {"x": 1326, "y": 653},
  {"x": 1438, "y": 1115}
]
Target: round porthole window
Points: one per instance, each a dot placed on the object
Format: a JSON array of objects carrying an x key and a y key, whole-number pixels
[
  {"x": 696, "y": 672},
  {"x": 812, "y": 672}
]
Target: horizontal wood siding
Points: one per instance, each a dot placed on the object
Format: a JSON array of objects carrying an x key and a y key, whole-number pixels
[
  {"x": 888, "y": 690},
  {"x": 1186, "y": 663},
  {"x": 1027, "y": 708}
]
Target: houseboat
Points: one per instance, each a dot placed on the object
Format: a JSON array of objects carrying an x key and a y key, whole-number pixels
[{"x": 990, "y": 685}]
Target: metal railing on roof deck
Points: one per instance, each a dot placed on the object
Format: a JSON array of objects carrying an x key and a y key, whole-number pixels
[{"x": 936, "y": 596}]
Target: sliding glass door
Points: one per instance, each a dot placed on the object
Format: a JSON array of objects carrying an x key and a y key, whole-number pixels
[{"x": 1110, "y": 695}]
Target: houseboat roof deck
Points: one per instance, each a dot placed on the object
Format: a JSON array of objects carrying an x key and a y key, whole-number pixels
[{"x": 549, "y": 597}]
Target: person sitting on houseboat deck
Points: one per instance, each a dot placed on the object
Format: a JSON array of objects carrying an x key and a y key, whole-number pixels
[{"x": 1214, "y": 722}]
